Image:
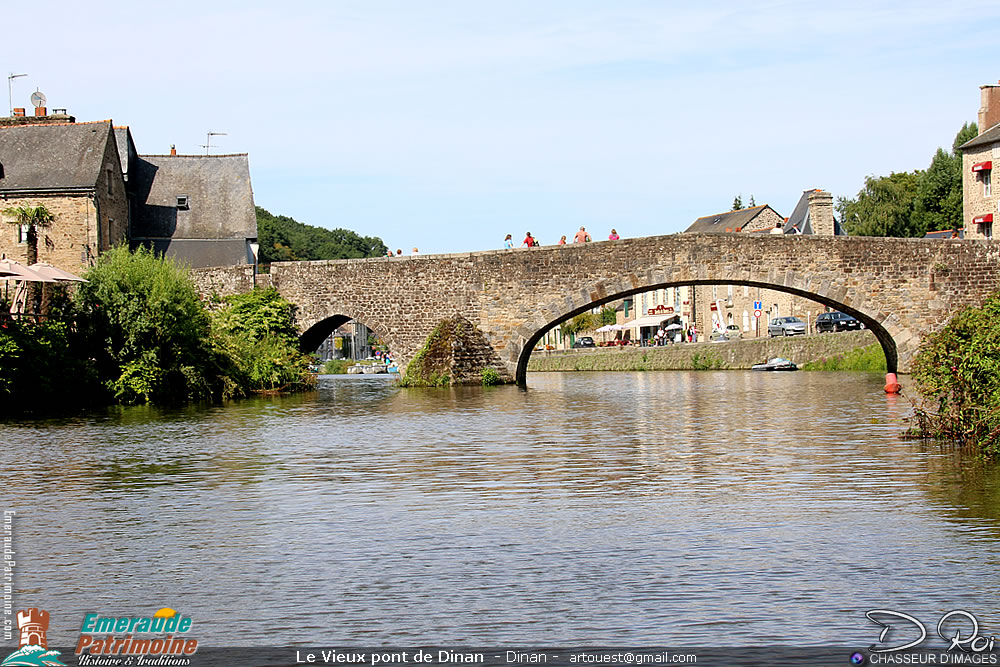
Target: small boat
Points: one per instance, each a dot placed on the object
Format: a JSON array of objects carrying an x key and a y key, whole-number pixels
[{"x": 775, "y": 364}]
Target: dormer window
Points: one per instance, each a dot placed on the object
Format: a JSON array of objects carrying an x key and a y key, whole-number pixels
[{"x": 183, "y": 203}]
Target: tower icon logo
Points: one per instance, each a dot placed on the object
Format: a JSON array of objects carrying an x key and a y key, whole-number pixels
[{"x": 33, "y": 626}]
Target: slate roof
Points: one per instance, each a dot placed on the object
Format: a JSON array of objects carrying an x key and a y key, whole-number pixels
[
  {"x": 800, "y": 218},
  {"x": 990, "y": 136},
  {"x": 52, "y": 157},
  {"x": 730, "y": 221},
  {"x": 126, "y": 148},
  {"x": 220, "y": 197}
]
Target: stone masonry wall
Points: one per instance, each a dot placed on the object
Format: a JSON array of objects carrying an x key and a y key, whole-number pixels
[
  {"x": 66, "y": 242},
  {"x": 901, "y": 288}
]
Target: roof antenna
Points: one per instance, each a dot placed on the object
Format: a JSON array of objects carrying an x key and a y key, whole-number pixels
[
  {"x": 208, "y": 140},
  {"x": 10, "y": 94}
]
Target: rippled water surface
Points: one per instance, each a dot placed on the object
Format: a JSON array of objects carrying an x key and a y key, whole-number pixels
[{"x": 715, "y": 508}]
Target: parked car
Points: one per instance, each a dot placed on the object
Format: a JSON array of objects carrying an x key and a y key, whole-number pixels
[
  {"x": 584, "y": 341},
  {"x": 732, "y": 332},
  {"x": 786, "y": 326},
  {"x": 837, "y": 321}
]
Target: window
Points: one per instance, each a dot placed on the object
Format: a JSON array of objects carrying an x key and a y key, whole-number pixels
[
  {"x": 746, "y": 320},
  {"x": 988, "y": 230},
  {"x": 1, "y": 170},
  {"x": 22, "y": 233},
  {"x": 987, "y": 183},
  {"x": 746, "y": 291},
  {"x": 183, "y": 202},
  {"x": 729, "y": 292}
]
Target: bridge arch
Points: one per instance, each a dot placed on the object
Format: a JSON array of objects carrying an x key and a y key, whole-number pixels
[
  {"x": 578, "y": 303},
  {"x": 319, "y": 325}
]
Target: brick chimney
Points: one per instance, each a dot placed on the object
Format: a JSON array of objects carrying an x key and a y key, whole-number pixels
[
  {"x": 989, "y": 107},
  {"x": 821, "y": 212},
  {"x": 173, "y": 150}
]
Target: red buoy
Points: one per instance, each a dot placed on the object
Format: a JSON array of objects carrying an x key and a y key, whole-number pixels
[{"x": 892, "y": 386}]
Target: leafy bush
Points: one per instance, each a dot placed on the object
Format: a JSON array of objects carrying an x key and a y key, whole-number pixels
[
  {"x": 957, "y": 371},
  {"x": 490, "y": 377},
  {"x": 147, "y": 327},
  {"x": 255, "y": 334}
]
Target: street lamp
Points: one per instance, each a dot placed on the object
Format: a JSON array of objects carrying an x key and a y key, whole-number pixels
[{"x": 10, "y": 93}]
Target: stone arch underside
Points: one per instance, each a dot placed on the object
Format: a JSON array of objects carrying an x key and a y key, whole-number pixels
[
  {"x": 887, "y": 331},
  {"x": 316, "y": 328}
]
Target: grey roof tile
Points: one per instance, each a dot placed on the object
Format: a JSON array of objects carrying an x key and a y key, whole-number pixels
[{"x": 52, "y": 157}]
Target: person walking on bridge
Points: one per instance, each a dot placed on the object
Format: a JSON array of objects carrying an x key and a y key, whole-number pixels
[
  {"x": 581, "y": 236},
  {"x": 529, "y": 240},
  {"x": 613, "y": 236},
  {"x": 508, "y": 242}
]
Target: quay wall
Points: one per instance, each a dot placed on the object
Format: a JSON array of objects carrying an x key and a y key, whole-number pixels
[{"x": 740, "y": 354}]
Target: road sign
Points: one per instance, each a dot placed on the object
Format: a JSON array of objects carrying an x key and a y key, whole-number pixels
[
  {"x": 758, "y": 305},
  {"x": 757, "y": 313}
]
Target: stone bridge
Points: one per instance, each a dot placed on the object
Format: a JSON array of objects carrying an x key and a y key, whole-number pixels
[{"x": 901, "y": 289}]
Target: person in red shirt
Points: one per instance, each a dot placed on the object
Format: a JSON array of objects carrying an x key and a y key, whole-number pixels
[{"x": 529, "y": 240}]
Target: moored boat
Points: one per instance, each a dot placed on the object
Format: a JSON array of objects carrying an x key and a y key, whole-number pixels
[{"x": 775, "y": 364}]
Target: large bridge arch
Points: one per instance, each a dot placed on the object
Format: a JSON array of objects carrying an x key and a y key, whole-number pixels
[{"x": 885, "y": 337}]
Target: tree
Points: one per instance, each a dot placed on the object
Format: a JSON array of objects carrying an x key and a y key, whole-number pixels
[
  {"x": 884, "y": 207},
  {"x": 911, "y": 203},
  {"x": 284, "y": 239},
  {"x": 148, "y": 329},
  {"x": 32, "y": 218},
  {"x": 608, "y": 315},
  {"x": 738, "y": 202}
]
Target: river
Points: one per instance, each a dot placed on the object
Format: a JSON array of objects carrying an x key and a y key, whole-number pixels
[{"x": 661, "y": 508}]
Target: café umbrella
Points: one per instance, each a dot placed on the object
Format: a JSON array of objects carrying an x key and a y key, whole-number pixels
[{"x": 11, "y": 270}]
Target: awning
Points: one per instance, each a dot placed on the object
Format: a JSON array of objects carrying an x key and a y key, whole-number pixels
[
  {"x": 983, "y": 219},
  {"x": 648, "y": 321},
  {"x": 982, "y": 166}
]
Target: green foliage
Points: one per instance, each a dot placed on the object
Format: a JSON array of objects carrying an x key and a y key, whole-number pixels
[
  {"x": 580, "y": 323},
  {"x": 884, "y": 207},
  {"x": 336, "y": 366},
  {"x": 284, "y": 239},
  {"x": 957, "y": 371},
  {"x": 910, "y": 203},
  {"x": 738, "y": 203},
  {"x": 41, "y": 370},
  {"x": 706, "y": 362},
  {"x": 31, "y": 217},
  {"x": 868, "y": 358},
  {"x": 608, "y": 315},
  {"x": 147, "y": 326},
  {"x": 490, "y": 377},
  {"x": 255, "y": 333}
]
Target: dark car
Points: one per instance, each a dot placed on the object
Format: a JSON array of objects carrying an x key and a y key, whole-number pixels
[
  {"x": 584, "y": 341},
  {"x": 837, "y": 321}
]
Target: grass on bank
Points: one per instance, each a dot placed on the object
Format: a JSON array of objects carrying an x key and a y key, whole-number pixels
[{"x": 868, "y": 358}]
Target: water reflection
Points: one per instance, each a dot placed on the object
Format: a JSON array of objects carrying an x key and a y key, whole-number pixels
[{"x": 654, "y": 508}]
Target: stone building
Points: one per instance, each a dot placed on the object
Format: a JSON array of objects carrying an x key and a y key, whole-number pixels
[
  {"x": 715, "y": 307},
  {"x": 979, "y": 204},
  {"x": 73, "y": 169},
  {"x": 196, "y": 208}
]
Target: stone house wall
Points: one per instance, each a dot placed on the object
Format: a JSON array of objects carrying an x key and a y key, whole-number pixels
[
  {"x": 69, "y": 242},
  {"x": 975, "y": 201}
]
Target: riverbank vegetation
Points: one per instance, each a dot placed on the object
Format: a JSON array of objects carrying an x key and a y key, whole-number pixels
[
  {"x": 137, "y": 332},
  {"x": 957, "y": 372},
  {"x": 868, "y": 358}
]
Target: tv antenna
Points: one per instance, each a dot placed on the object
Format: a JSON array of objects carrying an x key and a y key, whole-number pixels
[
  {"x": 10, "y": 94},
  {"x": 208, "y": 140}
]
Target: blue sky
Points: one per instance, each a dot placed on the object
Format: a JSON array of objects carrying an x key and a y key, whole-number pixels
[{"x": 446, "y": 125}]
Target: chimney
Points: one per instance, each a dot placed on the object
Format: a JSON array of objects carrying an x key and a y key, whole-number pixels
[
  {"x": 821, "y": 212},
  {"x": 173, "y": 150},
  {"x": 18, "y": 112},
  {"x": 40, "y": 111},
  {"x": 989, "y": 108}
]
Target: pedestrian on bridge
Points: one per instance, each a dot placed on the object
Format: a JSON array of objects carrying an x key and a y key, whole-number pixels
[
  {"x": 614, "y": 235},
  {"x": 562, "y": 240},
  {"x": 529, "y": 241},
  {"x": 508, "y": 242},
  {"x": 581, "y": 236}
]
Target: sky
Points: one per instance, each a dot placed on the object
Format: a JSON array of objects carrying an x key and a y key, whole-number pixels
[{"x": 446, "y": 125}]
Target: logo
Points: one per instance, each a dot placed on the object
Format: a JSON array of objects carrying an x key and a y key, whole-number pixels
[
  {"x": 33, "y": 648},
  {"x": 899, "y": 632},
  {"x": 143, "y": 638}
]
